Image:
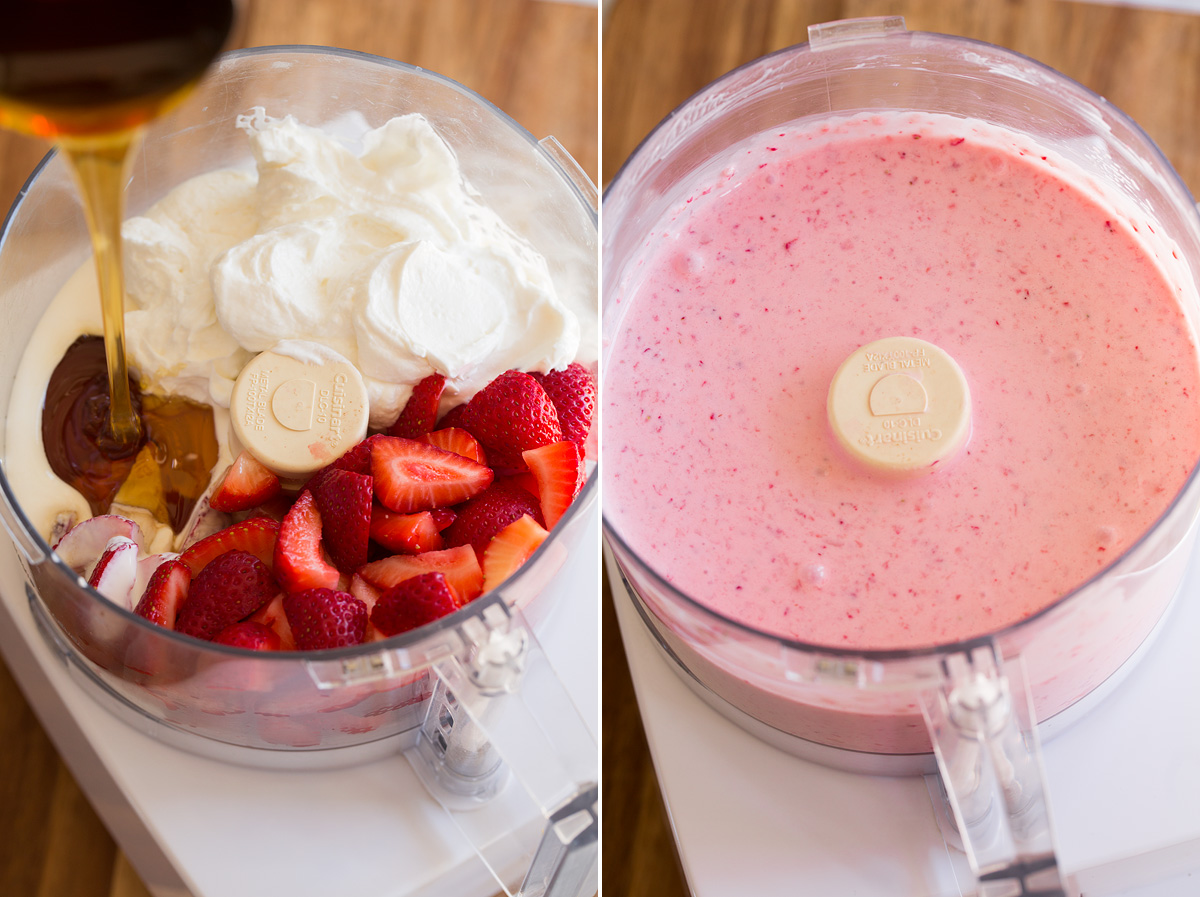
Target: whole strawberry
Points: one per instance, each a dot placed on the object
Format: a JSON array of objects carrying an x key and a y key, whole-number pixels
[
  {"x": 511, "y": 415},
  {"x": 573, "y": 392},
  {"x": 325, "y": 618},
  {"x": 229, "y": 588},
  {"x": 413, "y": 603}
]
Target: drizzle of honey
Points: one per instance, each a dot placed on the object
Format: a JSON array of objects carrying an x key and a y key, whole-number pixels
[{"x": 178, "y": 438}]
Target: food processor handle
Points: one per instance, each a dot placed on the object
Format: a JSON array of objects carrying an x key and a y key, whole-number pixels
[
  {"x": 981, "y": 722},
  {"x": 503, "y": 742}
]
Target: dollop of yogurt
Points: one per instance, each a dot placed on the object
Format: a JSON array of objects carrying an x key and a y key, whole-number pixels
[{"x": 384, "y": 255}]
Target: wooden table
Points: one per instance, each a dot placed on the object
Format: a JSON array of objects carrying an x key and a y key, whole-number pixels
[
  {"x": 535, "y": 60},
  {"x": 656, "y": 53}
]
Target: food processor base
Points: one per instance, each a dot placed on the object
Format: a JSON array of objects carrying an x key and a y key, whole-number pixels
[{"x": 1121, "y": 778}]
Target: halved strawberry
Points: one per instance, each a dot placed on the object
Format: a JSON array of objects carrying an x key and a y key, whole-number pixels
[
  {"x": 247, "y": 483},
  {"x": 405, "y": 533},
  {"x": 299, "y": 562},
  {"x": 489, "y": 512},
  {"x": 412, "y": 603},
  {"x": 457, "y": 440},
  {"x": 511, "y": 415},
  {"x": 459, "y": 566},
  {"x": 344, "y": 501},
  {"x": 228, "y": 589},
  {"x": 325, "y": 618},
  {"x": 511, "y": 548},
  {"x": 559, "y": 471},
  {"x": 165, "y": 593},
  {"x": 420, "y": 412},
  {"x": 249, "y": 635},
  {"x": 412, "y": 476},
  {"x": 573, "y": 392},
  {"x": 256, "y": 535},
  {"x": 272, "y": 616}
]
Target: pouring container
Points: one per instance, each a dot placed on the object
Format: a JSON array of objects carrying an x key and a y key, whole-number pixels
[{"x": 971, "y": 709}]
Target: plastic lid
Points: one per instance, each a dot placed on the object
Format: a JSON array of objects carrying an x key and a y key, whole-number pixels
[
  {"x": 900, "y": 405},
  {"x": 296, "y": 416}
]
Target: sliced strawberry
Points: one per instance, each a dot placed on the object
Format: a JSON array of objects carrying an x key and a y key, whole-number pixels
[
  {"x": 247, "y": 483},
  {"x": 273, "y": 617},
  {"x": 459, "y": 565},
  {"x": 356, "y": 460},
  {"x": 344, "y": 502},
  {"x": 573, "y": 392},
  {"x": 559, "y": 471},
  {"x": 413, "y": 603},
  {"x": 412, "y": 476},
  {"x": 511, "y": 548},
  {"x": 489, "y": 512},
  {"x": 325, "y": 618},
  {"x": 420, "y": 412},
  {"x": 256, "y": 535},
  {"x": 405, "y": 533},
  {"x": 299, "y": 562},
  {"x": 510, "y": 415},
  {"x": 250, "y": 635},
  {"x": 457, "y": 440},
  {"x": 229, "y": 588},
  {"x": 116, "y": 571},
  {"x": 165, "y": 593}
]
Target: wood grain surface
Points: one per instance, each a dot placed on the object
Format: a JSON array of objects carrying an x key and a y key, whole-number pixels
[
  {"x": 656, "y": 53},
  {"x": 536, "y": 60}
]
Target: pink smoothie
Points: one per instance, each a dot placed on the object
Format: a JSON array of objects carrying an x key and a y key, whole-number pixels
[{"x": 721, "y": 471}]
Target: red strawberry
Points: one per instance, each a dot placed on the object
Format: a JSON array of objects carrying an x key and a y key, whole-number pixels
[
  {"x": 420, "y": 412},
  {"x": 344, "y": 502},
  {"x": 228, "y": 589},
  {"x": 511, "y": 415},
  {"x": 299, "y": 561},
  {"x": 443, "y": 517},
  {"x": 457, "y": 440},
  {"x": 272, "y": 616},
  {"x": 459, "y": 566},
  {"x": 247, "y": 483},
  {"x": 165, "y": 593},
  {"x": 356, "y": 460},
  {"x": 405, "y": 533},
  {"x": 453, "y": 418},
  {"x": 412, "y": 476},
  {"x": 559, "y": 471},
  {"x": 573, "y": 392},
  {"x": 413, "y": 603},
  {"x": 325, "y": 618},
  {"x": 489, "y": 512},
  {"x": 250, "y": 635},
  {"x": 511, "y": 548},
  {"x": 256, "y": 535}
]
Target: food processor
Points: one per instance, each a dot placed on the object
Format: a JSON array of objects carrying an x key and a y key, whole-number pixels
[
  {"x": 498, "y": 743},
  {"x": 971, "y": 711}
]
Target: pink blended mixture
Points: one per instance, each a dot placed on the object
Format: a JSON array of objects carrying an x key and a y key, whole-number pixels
[{"x": 721, "y": 471}]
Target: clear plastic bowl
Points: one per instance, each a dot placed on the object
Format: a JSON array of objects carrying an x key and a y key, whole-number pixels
[
  {"x": 862, "y": 709},
  {"x": 286, "y": 708}
]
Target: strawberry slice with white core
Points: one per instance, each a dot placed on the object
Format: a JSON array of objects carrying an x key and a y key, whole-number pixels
[
  {"x": 509, "y": 549},
  {"x": 84, "y": 542},
  {"x": 299, "y": 561},
  {"x": 246, "y": 483},
  {"x": 146, "y": 568},
  {"x": 165, "y": 593},
  {"x": 116, "y": 571},
  {"x": 559, "y": 471},
  {"x": 273, "y": 617},
  {"x": 459, "y": 565},
  {"x": 411, "y": 476},
  {"x": 256, "y": 535}
]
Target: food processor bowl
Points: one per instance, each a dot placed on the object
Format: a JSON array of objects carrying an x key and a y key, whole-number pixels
[
  {"x": 296, "y": 709},
  {"x": 944, "y": 706}
]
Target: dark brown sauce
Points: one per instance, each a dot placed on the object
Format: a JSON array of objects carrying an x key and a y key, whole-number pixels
[
  {"x": 78, "y": 67},
  {"x": 75, "y": 424}
]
